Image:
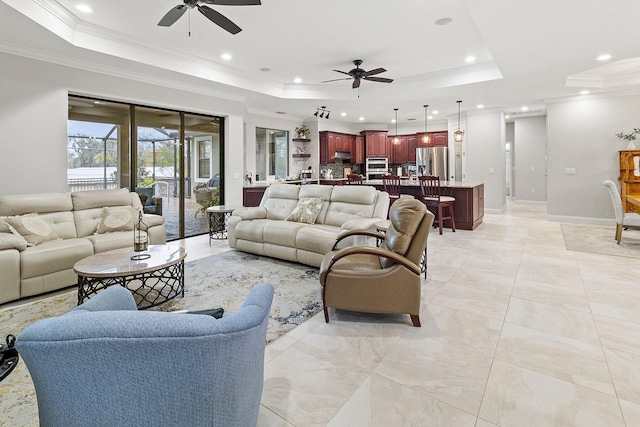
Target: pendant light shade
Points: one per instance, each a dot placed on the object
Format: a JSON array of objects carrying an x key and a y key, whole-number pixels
[
  {"x": 396, "y": 140},
  {"x": 458, "y": 135},
  {"x": 425, "y": 138}
]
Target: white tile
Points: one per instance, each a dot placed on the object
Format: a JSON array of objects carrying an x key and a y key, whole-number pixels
[{"x": 521, "y": 397}]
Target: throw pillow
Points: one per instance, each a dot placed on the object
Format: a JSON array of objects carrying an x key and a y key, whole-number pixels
[
  {"x": 33, "y": 228},
  {"x": 117, "y": 219},
  {"x": 307, "y": 210}
]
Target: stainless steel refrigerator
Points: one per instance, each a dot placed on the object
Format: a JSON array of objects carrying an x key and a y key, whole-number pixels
[{"x": 433, "y": 161}]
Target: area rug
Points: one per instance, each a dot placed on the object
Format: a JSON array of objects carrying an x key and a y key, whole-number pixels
[
  {"x": 599, "y": 239},
  {"x": 222, "y": 280}
]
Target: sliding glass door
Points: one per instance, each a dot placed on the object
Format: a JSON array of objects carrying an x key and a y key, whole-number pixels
[{"x": 173, "y": 154}]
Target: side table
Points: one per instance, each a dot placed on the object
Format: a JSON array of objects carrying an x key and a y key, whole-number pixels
[{"x": 218, "y": 217}]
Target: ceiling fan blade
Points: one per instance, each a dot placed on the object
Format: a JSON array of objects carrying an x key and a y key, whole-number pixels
[
  {"x": 219, "y": 19},
  {"x": 372, "y": 72},
  {"x": 356, "y": 84},
  {"x": 335, "y": 80},
  {"x": 233, "y": 2},
  {"x": 172, "y": 16},
  {"x": 378, "y": 79},
  {"x": 343, "y": 72}
]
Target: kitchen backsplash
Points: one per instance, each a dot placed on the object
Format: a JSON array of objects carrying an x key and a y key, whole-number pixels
[{"x": 338, "y": 169}]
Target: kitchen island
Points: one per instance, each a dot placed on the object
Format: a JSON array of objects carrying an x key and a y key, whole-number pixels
[{"x": 468, "y": 209}]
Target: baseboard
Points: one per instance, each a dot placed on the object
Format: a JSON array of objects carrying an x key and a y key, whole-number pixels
[
  {"x": 531, "y": 202},
  {"x": 582, "y": 220}
]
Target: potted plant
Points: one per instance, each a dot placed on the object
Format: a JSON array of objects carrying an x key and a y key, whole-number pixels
[
  {"x": 631, "y": 136},
  {"x": 302, "y": 131}
]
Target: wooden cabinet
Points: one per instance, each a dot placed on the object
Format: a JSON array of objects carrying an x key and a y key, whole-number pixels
[
  {"x": 469, "y": 206},
  {"x": 397, "y": 150},
  {"x": 357, "y": 150},
  {"x": 436, "y": 139},
  {"x": 412, "y": 144},
  {"x": 439, "y": 139},
  {"x": 251, "y": 196},
  {"x": 629, "y": 177},
  {"x": 375, "y": 143},
  {"x": 330, "y": 142}
]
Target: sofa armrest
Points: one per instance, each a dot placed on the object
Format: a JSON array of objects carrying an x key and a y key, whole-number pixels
[
  {"x": 361, "y": 224},
  {"x": 254, "y": 212},
  {"x": 12, "y": 241},
  {"x": 152, "y": 220}
]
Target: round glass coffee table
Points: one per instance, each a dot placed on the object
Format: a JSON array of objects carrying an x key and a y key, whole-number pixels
[{"x": 152, "y": 281}]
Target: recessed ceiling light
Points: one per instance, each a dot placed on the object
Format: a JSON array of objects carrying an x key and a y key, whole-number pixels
[
  {"x": 444, "y": 21},
  {"x": 506, "y": 117},
  {"x": 85, "y": 8},
  {"x": 226, "y": 56},
  {"x": 480, "y": 106},
  {"x": 265, "y": 69},
  {"x": 470, "y": 59},
  {"x": 297, "y": 80},
  {"x": 604, "y": 57},
  {"x": 343, "y": 114},
  {"x": 435, "y": 111},
  {"x": 525, "y": 108},
  {"x": 393, "y": 120},
  {"x": 361, "y": 118},
  {"x": 584, "y": 92},
  {"x": 430, "y": 117}
]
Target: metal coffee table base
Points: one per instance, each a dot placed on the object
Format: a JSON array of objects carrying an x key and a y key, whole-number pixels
[{"x": 149, "y": 289}]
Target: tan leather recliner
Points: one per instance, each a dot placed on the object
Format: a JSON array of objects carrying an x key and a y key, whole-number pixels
[{"x": 384, "y": 279}]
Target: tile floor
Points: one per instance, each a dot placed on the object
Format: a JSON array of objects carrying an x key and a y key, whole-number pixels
[{"x": 516, "y": 331}]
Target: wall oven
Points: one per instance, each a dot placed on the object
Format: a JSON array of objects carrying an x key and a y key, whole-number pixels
[{"x": 376, "y": 167}]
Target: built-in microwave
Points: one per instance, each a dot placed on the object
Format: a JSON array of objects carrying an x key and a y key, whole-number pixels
[{"x": 377, "y": 164}]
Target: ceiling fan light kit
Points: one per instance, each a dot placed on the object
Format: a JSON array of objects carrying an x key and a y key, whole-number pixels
[
  {"x": 216, "y": 17},
  {"x": 458, "y": 135},
  {"x": 358, "y": 74}
]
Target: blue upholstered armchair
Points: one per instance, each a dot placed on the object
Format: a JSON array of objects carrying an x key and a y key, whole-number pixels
[{"x": 107, "y": 364}]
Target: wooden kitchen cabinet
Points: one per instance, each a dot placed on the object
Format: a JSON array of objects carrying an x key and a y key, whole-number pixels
[
  {"x": 357, "y": 150},
  {"x": 439, "y": 139},
  {"x": 398, "y": 151},
  {"x": 412, "y": 144},
  {"x": 375, "y": 143},
  {"x": 330, "y": 142}
]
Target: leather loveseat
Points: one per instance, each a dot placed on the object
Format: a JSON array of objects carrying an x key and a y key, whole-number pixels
[
  {"x": 74, "y": 221},
  {"x": 269, "y": 230}
]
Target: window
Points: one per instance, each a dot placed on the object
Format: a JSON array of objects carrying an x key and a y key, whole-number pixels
[
  {"x": 272, "y": 153},
  {"x": 204, "y": 156}
]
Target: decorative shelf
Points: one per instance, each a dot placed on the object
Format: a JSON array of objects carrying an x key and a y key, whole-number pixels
[
  {"x": 301, "y": 140},
  {"x": 301, "y": 155}
]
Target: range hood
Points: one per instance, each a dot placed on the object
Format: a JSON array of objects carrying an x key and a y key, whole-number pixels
[{"x": 343, "y": 155}]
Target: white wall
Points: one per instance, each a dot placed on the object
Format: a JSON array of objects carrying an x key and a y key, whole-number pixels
[
  {"x": 581, "y": 135},
  {"x": 483, "y": 143},
  {"x": 530, "y": 134},
  {"x": 33, "y": 121}
]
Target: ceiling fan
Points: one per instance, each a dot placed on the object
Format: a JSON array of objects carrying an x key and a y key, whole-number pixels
[
  {"x": 358, "y": 74},
  {"x": 216, "y": 17}
]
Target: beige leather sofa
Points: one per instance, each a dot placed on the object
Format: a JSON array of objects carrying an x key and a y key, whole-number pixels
[
  {"x": 263, "y": 230},
  {"x": 74, "y": 218}
]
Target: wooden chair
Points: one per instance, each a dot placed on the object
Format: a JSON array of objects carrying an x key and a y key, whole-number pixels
[
  {"x": 392, "y": 186},
  {"x": 432, "y": 196},
  {"x": 355, "y": 179}
]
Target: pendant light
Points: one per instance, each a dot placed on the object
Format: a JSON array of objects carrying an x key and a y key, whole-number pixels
[
  {"x": 459, "y": 134},
  {"x": 425, "y": 138},
  {"x": 396, "y": 140}
]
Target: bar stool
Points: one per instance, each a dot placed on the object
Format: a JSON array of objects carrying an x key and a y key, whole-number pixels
[
  {"x": 392, "y": 186},
  {"x": 432, "y": 196},
  {"x": 355, "y": 179}
]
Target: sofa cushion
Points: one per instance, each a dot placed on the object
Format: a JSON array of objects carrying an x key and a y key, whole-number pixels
[
  {"x": 108, "y": 241},
  {"x": 53, "y": 256},
  {"x": 281, "y": 233},
  {"x": 100, "y": 198},
  {"x": 19, "y": 204},
  {"x": 251, "y": 230},
  {"x": 306, "y": 210},
  {"x": 323, "y": 191},
  {"x": 317, "y": 238},
  {"x": 33, "y": 228},
  {"x": 117, "y": 219},
  {"x": 279, "y": 200}
]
